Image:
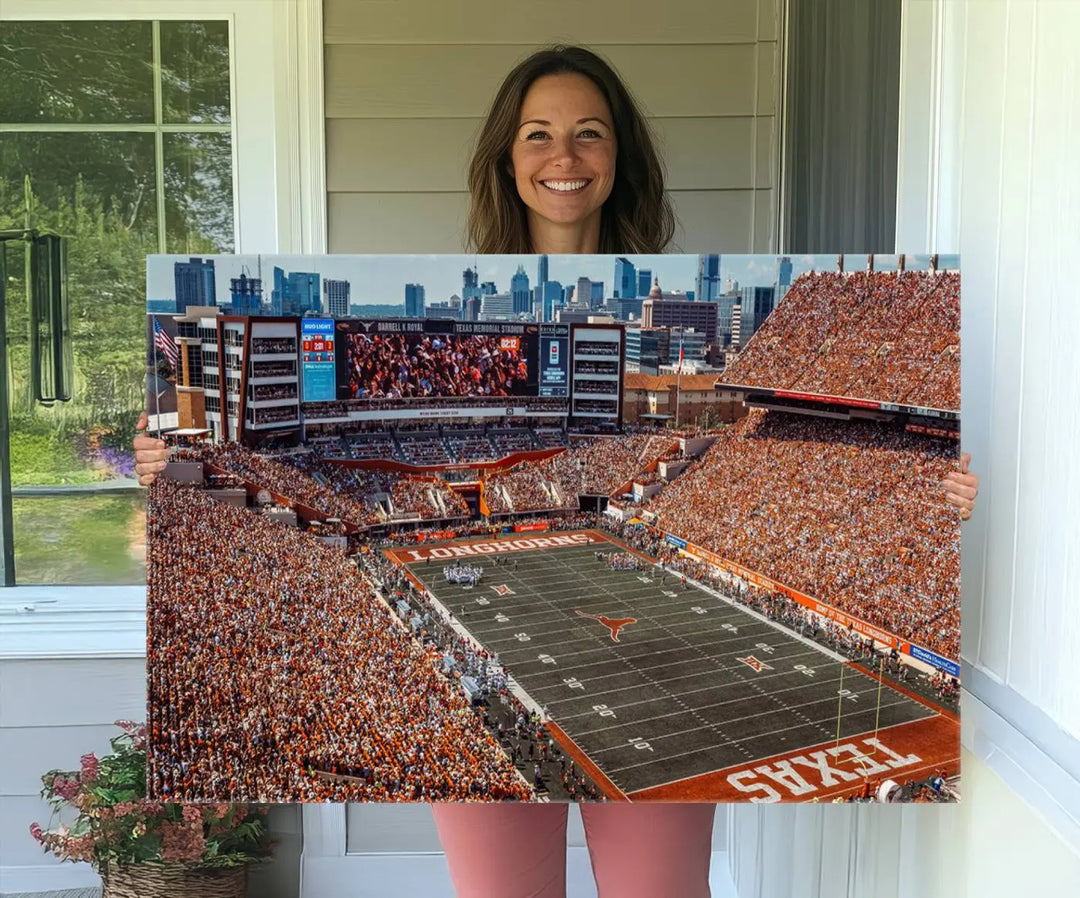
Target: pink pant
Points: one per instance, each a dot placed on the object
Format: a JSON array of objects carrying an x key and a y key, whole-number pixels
[{"x": 519, "y": 850}]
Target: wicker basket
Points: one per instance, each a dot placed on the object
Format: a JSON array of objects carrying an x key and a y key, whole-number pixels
[{"x": 174, "y": 881}]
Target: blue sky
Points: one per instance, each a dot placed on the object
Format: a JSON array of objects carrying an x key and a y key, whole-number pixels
[{"x": 382, "y": 279}]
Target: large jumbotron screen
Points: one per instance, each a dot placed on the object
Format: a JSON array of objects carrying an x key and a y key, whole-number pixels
[{"x": 428, "y": 359}]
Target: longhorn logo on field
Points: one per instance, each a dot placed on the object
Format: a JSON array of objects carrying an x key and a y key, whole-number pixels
[{"x": 614, "y": 624}]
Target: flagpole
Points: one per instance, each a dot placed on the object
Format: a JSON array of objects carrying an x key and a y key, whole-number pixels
[
  {"x": 678, "y": 382},
  {"x": 157, "y": 395}
]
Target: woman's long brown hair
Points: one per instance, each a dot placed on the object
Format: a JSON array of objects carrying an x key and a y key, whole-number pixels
[{"x": 637, "y": 217}]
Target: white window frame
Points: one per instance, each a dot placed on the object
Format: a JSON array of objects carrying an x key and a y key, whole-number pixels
[
  {"x": 1016, "y": 739},
  {"x": 279, "y": 194}
]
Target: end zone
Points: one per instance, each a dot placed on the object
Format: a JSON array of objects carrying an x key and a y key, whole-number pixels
[
  {"x": 474, "y": 548},
  {"x": 827, "y": 770}
]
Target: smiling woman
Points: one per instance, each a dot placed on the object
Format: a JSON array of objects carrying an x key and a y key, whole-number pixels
[{"x": 565, "y": 159}]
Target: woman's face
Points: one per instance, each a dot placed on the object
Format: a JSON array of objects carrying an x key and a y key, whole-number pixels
[{"x": 563, "y": 156}]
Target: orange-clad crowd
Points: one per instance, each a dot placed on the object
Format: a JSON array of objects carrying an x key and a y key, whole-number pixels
[
  {"x": 523, "y": 489},
  {"x": 421, "y": 496},
  {"x": 276, "y": 674},
  {"x": 848, "y": 512},
  {"x": 603, "y": 464},
  {"x": 873, "y": 335},
  {"x": 293, "y": 477}
]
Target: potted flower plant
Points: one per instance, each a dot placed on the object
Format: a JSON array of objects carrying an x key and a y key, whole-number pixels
[{"x": 142, "y": 847}]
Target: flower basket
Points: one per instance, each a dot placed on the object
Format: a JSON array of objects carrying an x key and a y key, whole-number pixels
[
  {"x": 173, "y": 881},
  {"x": 144, "y": 848}
]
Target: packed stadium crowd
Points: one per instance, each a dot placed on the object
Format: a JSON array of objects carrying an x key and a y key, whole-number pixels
[
  {"x": 293, "y": 477},
  {"x": 848, "y": 512},
  {"x": 601, "y": 466},
  {"x": 396, "y": 366},
  {"x": 421, "y": 496},
  {"x": 875, "y": 335},
  {"x": 256, "y": 691},
  {"x": 523, "y": 489},
  {"x": 779, "y": 494}
]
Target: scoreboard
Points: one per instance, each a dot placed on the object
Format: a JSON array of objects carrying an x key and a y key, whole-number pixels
[
  {"x": 367, "y": 350},
  {"x": 318, "y": 359}
]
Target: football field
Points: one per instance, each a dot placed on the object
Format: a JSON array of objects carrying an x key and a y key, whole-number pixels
[{"x": 672, "y": 692}]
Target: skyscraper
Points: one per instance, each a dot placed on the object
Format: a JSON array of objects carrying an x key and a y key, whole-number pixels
[
  {"x": 783, "y": 277},
  {"x": 552, "y": 297},
  {"x": 644, "y": 282},
  {"x": 337, "y": 297},
  {"x": 414, "y": 301},
  {"x": 245, "y": 295},
  {"x": 727, "y": 323},
  {"x": 757, "y": 303},
  {"x": 542, "y": 270},
  {"x": 783, "y": 271},
  {"x": 596, "y": 294},
  {"x": 295, "y": 293},
  {"x": 625, "y": 279},
  {"x": 708, "y": 279},
  {"x": 194, "y": 282},
  {"x": 470, "y": 308},
  {"x": 469, "y": 290},
  {"x": 519, "y": 291},
  {"x": 583, "y": 293}
]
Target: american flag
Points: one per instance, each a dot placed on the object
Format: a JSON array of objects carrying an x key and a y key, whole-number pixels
[{"x": 165, "y": 344}]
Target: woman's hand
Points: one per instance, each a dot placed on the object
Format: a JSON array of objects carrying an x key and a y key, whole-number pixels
[
  {"x": 961, "y": 488},
  {"x": 149, "y": 454}
]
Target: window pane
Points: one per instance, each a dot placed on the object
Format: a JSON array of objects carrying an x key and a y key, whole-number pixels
[
  {"x": 198, "y": 193},
  {"x": 100, "y": 191},
  {"x": 116, "y": 172},
  {"x": 81, "y": 539},
  {"x": 76, "y": 72},
  {"x": 97, "y": 190},
  {"x": 195, "y": 71}
]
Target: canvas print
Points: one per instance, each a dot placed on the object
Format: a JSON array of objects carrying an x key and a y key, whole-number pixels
[{"x": 554, "y": 528}]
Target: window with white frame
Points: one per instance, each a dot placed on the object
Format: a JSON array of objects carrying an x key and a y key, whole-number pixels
[
  {"x": 118, "y": 136},
  {"x": 205, "y": 107}
]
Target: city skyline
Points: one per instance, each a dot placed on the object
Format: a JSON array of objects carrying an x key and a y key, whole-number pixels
[{"x": 381, "y": 279}]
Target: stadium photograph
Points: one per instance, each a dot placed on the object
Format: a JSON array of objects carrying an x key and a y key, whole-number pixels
[{"x": 566, "y": 528}]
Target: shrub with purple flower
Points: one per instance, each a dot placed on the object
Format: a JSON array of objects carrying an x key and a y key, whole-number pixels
[{"x": 117, "y": 824}]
